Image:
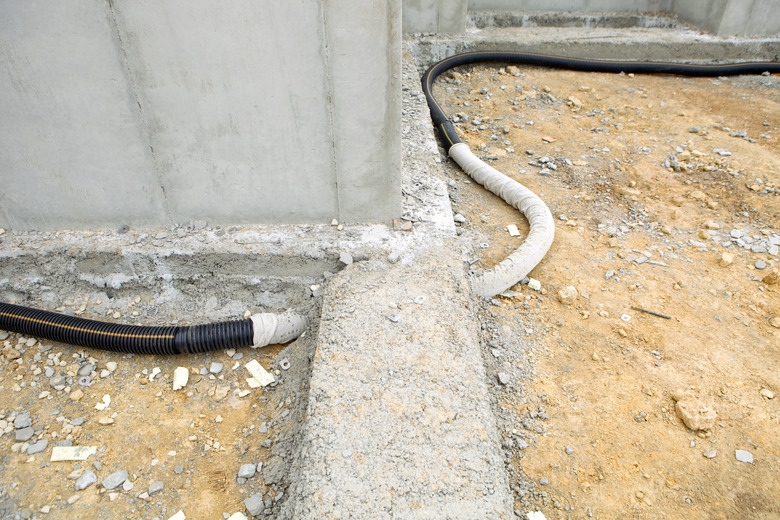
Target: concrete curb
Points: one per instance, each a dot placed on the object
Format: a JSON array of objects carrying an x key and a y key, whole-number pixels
[{"x": 399, "y": 423}]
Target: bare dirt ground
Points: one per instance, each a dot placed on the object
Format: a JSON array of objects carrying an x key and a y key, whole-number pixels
[
  {"x": 666, "y": 195},
  {"x": 182, "y": 450}
]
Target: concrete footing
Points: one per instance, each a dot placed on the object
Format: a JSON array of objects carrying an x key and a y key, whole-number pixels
[{"x": 399, "y": 422}]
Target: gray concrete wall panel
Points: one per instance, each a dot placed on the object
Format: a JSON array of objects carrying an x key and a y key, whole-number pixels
[
  {"x": 146, "y": 112},
  {"x": 366, "y": 105},
  {"x": 233, "y": 101},
  {"x": 438, "y": 16},
  {"x": 73, "y": 151}
]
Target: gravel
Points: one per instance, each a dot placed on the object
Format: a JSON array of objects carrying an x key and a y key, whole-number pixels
[
  {"x": 247, "y": 470},
  {"x": 115, "y": 479},
  {"x": 86, "y": 479},
  {"x": 254, "y": 504}
]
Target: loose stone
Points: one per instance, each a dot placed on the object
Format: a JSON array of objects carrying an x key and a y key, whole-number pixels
[
  {"x": 115, "y": 479},
  {"x": 86, "y": 479},
  {"x": 247, "y": 470},
  {"x": 155, "y": 487},
  {"x": 254, "y": 504},
  {"x": 744, "y": 456}
]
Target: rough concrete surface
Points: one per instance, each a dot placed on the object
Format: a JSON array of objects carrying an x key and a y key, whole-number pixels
[
  {"x": 157, "y": 113},
  {"x": 399, "y": 423}
]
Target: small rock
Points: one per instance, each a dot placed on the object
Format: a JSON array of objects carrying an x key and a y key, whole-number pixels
[
  {"x": 111, "y": 366},
  {"x": 37, "y": 447},
  {"x": 254, "y": 504},
  {"x": 24, "y": 434},
  {"x": 711, "y": 224},
  {"x": 503, "y": 378},
  {"x": 744, "y": 456},
  {"x": 76, "y": 395},
  {"x": 178, "y": 469},
  {"x": 765, "y": 392},
  {"x": 73, "y": 499},
  {"x": 127, "y": 485},
  {"x": 247, "y": 470},
  {"x": 710, "y": 454},
  {"x": 696, "y": 414},
  {"x": 775, "y": 322},
  {"x": 180, "y": 377},
  {"x": 760, "y": 265},
  {"x": 726, "y": 259},
  {"x": 22, "y": 420},
  {"x": 85, "y": 480},
  {"x": 86, "y": 369},
  {"x": 698, "y": 195},
  {"x": 460, "y": 219},
  {"x": 115, "y": 479},
  {"x": 569, "y": 450},
  {"x": 772, "y": 277},
  {"x": 216, "y": 367},
  {"x": 568, "y": 295},
  {"x": 156, "y": 487},
  {"x": 237, "y": 516},
  {"x": 346, "y": 258},
  {"x": 3, "y": 335},
  {"x": 10, "y": 353}
]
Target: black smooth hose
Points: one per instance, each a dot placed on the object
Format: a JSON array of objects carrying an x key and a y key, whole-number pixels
[
  {"x": 447, "y": 130},
  {"x": 125, "y": 338}
]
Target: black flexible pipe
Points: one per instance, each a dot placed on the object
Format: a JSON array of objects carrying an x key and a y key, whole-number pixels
[
  {"x": 125, "y": 338},
  {"x": 447, "y": 130}
]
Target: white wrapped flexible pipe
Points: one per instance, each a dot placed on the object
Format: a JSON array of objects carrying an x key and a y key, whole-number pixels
[
  {"x": 540, "y": 237},
  {"x": 270, "y": 328}
]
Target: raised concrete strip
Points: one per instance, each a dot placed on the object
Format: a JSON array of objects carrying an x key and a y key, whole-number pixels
[{"x": 399, "y": 423}]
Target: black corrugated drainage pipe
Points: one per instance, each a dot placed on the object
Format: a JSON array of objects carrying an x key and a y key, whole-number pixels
[
  {"x": 258, "y": 330},
  {"x": 542, "y": 227}
]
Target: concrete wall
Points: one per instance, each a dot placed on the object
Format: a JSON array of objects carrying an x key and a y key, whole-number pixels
[
  {"x": 153, "y": 112},
  {"x": 436, "y": 16},
  {"x": 721, "y": 17},
  {"x": 732, "y": 17}
]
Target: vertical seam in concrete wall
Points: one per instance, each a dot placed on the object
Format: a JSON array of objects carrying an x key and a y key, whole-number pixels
[
  {"x": 141, "y": 117},
  {"x": 331, "y": 116}
]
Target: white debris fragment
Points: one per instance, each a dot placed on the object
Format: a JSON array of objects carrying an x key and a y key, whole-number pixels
[
  {"x": 534, "y": 284},
  {"x": 625, "y": 317},
  {"x": 67, "y": 453},
  {"x": 104, "y": 404},
  {"x": 243, "y": 393},
  {"x": 259, "y": 374},
  {"x": 513, "y": 231},
  {"x": 237, "y": 516},
  {"x": 178, "y": 516},
  {"x": 180, "y": 377},
  {"x": 155, "y": 371},
  {"x": 535, "y": 515}
]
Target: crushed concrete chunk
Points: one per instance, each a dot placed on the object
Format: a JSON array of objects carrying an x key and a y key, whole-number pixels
[
  {"x": 254, "y": 504},
  {"x": 259, "y": 374},
  {"x": 180, "y": 377},
  {"x": 178, "y": 516}
]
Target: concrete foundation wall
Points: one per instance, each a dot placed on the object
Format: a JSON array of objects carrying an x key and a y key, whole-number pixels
[
  {"x": 436, "y": 16},
  {"x": 721, "y": 17},
  {"x": 146, "y": 112}
]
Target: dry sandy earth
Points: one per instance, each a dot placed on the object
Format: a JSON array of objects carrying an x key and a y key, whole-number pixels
[{"x": 647, "y": 215}]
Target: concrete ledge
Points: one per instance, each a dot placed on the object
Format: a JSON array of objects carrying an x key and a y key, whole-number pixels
[{"x": 399, "y": 422}]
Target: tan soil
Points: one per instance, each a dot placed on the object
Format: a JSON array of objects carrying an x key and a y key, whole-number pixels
[{"x": 609, "y": 383}]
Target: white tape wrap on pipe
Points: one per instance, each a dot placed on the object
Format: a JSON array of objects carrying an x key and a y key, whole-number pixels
[
  {"x": 270, "y": 328},
  {"x": 540, "y": 237}
]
